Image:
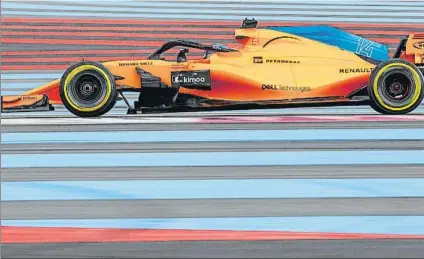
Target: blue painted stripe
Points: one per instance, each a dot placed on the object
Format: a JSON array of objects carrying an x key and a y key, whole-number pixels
[
  {"x": 409, "y": 225},
  {"x": 3, "y": 93},
  {"x": 205, "y": 10},
  {"x": 213, "y": 159},
  {"x": 12, "y": 85},
  {"x": 11, "y": 76},
  {"x": 218, "y": 16},
  {"x": 212, "y": 189},
  {"x": 215, "y": 135}
]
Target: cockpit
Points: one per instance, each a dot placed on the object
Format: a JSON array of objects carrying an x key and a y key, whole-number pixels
[{"x": 182, "y": 55}]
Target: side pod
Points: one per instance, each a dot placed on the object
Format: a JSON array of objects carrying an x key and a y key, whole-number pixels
[{"x": 20, "y": 103}]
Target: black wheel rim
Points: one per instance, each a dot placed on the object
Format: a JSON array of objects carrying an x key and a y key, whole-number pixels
[
  {"x": 397, "y": 88},
  {"x": 87, "y": 89}
]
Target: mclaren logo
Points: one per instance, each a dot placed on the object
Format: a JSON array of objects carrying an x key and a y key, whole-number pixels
[
  {"x": 258, "y": 60},
  {"x": 419, "y": 45}
]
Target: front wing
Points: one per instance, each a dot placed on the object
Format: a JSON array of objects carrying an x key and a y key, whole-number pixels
[{"x": 15, "y": 103}]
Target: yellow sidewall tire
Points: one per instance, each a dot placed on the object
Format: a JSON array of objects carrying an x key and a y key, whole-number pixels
[
  {"x": 377, "y": 102},
  {"x": 108, "y": 86}
]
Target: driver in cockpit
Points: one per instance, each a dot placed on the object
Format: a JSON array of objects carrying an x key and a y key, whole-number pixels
[{"x": 182, "y": 55}]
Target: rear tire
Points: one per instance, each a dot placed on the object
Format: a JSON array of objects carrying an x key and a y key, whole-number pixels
[
  {"x": 396, "y": 87},
  {"x": 88, "y": 89}
]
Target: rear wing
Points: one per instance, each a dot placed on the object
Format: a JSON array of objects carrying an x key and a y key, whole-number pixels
[{"x": 411, "y": 48}]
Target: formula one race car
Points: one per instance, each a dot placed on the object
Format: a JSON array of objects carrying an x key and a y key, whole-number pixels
[{"x": 272, "y": 67}]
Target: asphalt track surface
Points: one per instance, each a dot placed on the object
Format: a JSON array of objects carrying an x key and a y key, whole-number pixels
[
  {"x": 59, "y": 148},
  {"x": 229, "y": 249},
  {"x": 96, "y": 209},
  {"x": 199, "y": 208},
  {"x": 211, "y": 172}
]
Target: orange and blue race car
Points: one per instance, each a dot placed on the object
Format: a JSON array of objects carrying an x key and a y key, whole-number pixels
[{"x": 272, "y": 67}]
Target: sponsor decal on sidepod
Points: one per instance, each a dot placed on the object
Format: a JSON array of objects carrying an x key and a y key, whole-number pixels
[{"x": 419, "y": 45}]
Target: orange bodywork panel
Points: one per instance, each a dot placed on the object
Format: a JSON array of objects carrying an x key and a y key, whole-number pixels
[
  {"x": 415, "y": 48},
  {"x": 51, "y": 90},
  {"x": 286, "y": 69}
]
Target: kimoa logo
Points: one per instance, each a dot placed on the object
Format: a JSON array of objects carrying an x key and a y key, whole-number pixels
[
  {"x": 191, "y": 80},
  {"x": 419, "y": 45},
  {"x": 175, "y": 79},
  {"x": 195, "y": 80}
]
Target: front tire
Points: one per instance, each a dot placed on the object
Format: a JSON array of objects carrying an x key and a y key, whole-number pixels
[
  {"x": 396, "y": 87},
  {"x": 88, "y": 89}
]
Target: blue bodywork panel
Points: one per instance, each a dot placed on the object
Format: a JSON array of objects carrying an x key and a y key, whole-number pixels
[{"x": 339, "y": 38}]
